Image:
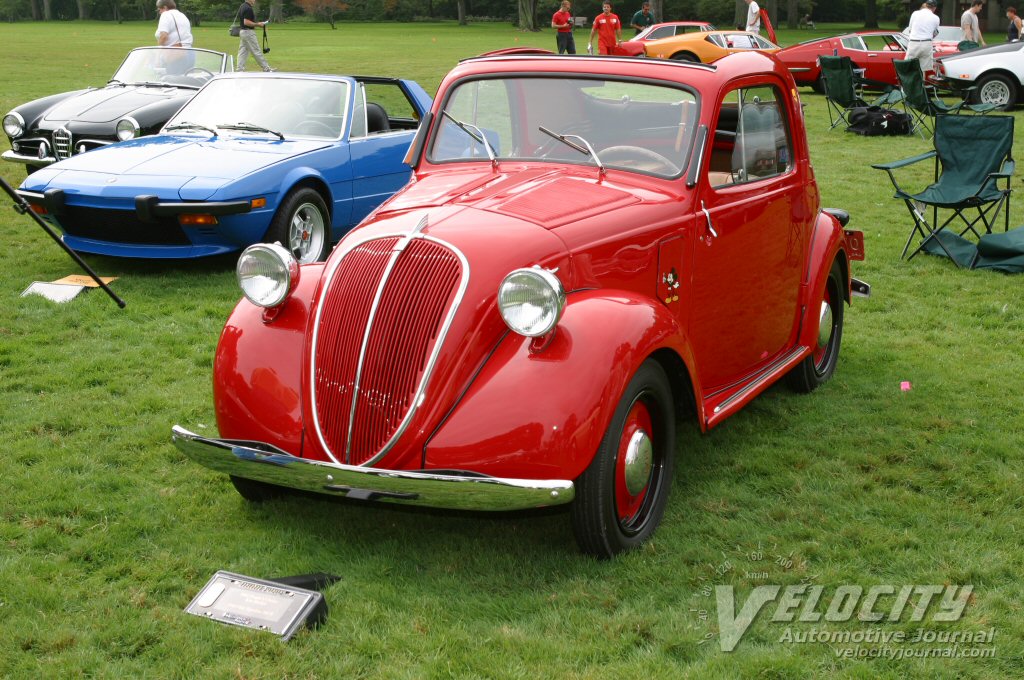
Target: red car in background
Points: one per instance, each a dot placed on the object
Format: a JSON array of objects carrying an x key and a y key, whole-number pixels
[
  {"x": 873, "y": 51},
  {"x": 635, "y": 46}
]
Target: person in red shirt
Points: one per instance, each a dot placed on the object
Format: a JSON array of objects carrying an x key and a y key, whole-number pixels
[
  {"x": 562, "y": 20},
  {"x": 608, "y": 29}
]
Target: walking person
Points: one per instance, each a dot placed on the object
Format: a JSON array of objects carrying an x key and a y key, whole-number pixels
[
  {"x": 969, "y": 23},
  {"x": 753, "y": 17},
  {"x": 642, "y": 19},
  {"x": 173, "y": 29},
  {"x": 924, "y": 26},
  {"x": 608, "y": 29},
  {"x": 1013, "y": 31},
  {"x": 247, "y": 43},
  {"x": 562, "y": 22}
]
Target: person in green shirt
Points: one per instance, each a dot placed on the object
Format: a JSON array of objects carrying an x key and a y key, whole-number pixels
[{"x": 642, "y": 19}]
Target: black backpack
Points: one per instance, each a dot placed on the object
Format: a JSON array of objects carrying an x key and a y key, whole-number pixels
[{"x": 874, "y": 120}]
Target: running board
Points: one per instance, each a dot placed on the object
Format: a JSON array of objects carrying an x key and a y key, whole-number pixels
[{"x": 764, "y": 379}]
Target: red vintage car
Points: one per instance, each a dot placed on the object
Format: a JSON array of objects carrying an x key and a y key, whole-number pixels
[
  {"x": 588, "y": 250},
  {"x": 873, "y": 51}
]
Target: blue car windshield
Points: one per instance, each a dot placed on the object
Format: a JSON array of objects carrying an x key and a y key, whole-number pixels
[
  {"x": 628, "y": 125},
  {"x": 305, "y": 108}
]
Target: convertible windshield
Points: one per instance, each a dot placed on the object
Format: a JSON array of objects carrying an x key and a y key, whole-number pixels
[
  {"x": 169, "y": 66},
  {"x": 276, "y": 107},
  {"x": 631, "y": 126}
]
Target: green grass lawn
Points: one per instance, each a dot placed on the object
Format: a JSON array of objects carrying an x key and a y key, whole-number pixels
[{"x": 107, "y": 531}]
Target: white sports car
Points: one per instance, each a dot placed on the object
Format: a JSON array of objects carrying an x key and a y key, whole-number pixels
[{"x": 997, "y": 71}]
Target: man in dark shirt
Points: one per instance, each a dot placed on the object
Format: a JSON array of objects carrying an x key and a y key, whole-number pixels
[
  {"x": 247, "y": 43},
  {"x": 642, "y": 19}
]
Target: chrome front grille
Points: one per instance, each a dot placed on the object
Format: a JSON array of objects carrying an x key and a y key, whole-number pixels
[
  {"x": 62, "y": 143},
  {"x": 386, "y": 308}
]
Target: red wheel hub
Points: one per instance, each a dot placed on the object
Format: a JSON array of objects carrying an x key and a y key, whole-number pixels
[{"x": 634, "y": 463}]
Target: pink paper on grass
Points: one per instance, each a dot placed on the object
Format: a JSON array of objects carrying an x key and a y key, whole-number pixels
[{"x": 905, "y": 386}]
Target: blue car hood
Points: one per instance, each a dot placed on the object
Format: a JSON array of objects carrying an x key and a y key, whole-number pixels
[
  {"x": 108, "y": 104},
  {"x": 163, "y": 165}
]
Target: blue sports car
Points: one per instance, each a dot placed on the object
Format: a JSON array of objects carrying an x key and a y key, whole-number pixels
[{"x": 298, "y": 159}]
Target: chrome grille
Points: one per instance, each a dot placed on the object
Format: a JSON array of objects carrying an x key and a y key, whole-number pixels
[
  {"x": 62, "y": 143},
  {"x": 385, "y": 310}
]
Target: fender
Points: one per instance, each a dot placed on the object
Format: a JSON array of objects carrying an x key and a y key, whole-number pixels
[
  {"x": 340, "y": 208},
  {"x": 257, "y": 383},
  {"x": 540, "y": 413},
  {"x": 827, "y": 244}
]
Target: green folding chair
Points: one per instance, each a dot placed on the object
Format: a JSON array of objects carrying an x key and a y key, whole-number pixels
[
  {"x": 842, "y": 89},
  {"x": 920, "y": 100},
  {"x": 972, "y": 153}
]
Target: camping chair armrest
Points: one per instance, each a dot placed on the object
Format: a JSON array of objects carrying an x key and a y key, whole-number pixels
[
  {"x": 905, "y": 162},
  {"x": 874, "y": 84},
  {"x": 1004, "y": 172}
]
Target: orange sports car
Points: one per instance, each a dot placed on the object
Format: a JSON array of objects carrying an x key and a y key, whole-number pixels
[{"x": 708, "y": 46}]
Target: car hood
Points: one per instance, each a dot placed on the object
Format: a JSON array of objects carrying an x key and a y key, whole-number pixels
[
  {"x": 547, "y": 197},
  {"x": 108, "y": 104},
  {"x": 162, "y": 164}
]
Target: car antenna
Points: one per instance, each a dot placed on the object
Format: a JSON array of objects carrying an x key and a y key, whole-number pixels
[{"x": 22, "y": 206}]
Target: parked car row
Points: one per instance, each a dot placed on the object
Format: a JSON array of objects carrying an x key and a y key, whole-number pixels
[{"x": 578, "y": 252}]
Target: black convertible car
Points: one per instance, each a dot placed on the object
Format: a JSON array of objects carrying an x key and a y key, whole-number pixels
[{"x": 150, "y": 86}]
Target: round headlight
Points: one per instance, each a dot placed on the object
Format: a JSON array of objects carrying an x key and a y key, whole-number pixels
[
  {"x": 14, "y": 124},
  {"x": 267, "y": 273},
  {"x": 531, "y": 301},
  {"x": 127, "y": 128}
]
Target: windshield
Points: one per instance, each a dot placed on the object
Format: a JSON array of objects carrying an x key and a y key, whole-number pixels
[
  {"x": 171, "y": 65},
  {"x": 628, "y": 125},
  {"x": 950, "y": 34},
  {"x": 267, "y": 106}
]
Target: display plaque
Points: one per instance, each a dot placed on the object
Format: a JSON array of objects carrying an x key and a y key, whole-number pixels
[{"x": 256, "y": 603}]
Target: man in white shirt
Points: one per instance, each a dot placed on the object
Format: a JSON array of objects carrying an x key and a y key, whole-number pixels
[
  {"x": 969, "y": 23},
  {"x": 753, "y": 17},
  {"x": 924, "y": 25},
  {"x": 174, "y": 29}
]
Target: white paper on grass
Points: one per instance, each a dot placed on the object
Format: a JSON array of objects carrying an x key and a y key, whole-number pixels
[{"x": 55, "y": 292}]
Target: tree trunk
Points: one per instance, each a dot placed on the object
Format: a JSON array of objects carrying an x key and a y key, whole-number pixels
[
  {"x": 996, "y": 18},
  {"x": 870, "y": 14},
  {"x": 276, "y": 13},
  {"x": 741, "y": 14},
  {"x": 527, "y": 15},
  {"x": 949, "y": 15},
  {"x": 47, "y": 11},
  {"x": 773, "y": 11},
  {"x": 36, "y": 12},
  {"x": 83, "y": 10},
  {"x": 792, "y": 14},
  {"x": 658, "y": 10},
  {"x": 462, "y": 12}
]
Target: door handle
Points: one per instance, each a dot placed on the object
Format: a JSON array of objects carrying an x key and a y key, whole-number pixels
[{"x": 707, "y": 216}]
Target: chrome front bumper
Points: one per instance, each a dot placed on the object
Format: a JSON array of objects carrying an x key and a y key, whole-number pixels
[
  {"x": 15, "y": 157},
  {"x": 450, "y": 489}
]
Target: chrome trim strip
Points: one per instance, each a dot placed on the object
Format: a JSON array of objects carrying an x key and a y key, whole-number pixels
[
  {"x": 420, "y": 394},
  {"x": 441, "y": 489},
  {"x": 768, "y": 373}
]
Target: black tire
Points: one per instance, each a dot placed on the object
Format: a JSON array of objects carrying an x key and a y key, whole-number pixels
[
  {"x": 611, "y": 515},
  {"x": 685, "y": 56},
  {"x": 302, "y": 225},
  {"x": 29, "y": 169},
  {"x": 998, "y": 89},
  {"x": 255, "y": 492},
  {"x": 819, "y": 85},
  {"x": 821, "y": 364}
]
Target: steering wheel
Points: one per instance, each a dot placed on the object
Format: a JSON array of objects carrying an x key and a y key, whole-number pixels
[
  {"x": 203, "y": 73},
  {"x": 638, "y": 158},
  {"x": 315, "y": 127}
]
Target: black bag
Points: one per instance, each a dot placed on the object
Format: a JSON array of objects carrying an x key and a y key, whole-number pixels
[
  {"x": 234, "y": 30},
  {"x": 874, "y": 120},
  {"x": 266, "y": 43}
]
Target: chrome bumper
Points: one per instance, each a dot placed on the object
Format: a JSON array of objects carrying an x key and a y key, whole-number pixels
[
  {"x": 15, "y": 157},
  {"x": 450, "y": 489}
]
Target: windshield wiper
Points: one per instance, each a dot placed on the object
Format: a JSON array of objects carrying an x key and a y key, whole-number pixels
[
  {"x": 189, "y": 125},
  {"x": 583, "y": 148},
  {"x": 249, "y": 127},
  {"x": 115, "y": 81},
  {"x": 476, "y": 133}
]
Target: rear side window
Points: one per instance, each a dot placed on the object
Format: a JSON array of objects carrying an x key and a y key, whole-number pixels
[{"x": 752, "y": 139}]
